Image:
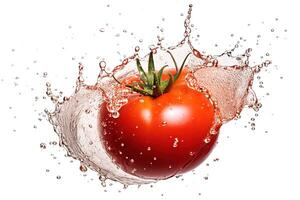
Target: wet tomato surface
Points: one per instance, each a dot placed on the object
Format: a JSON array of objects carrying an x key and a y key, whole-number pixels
[{"x": 160, "y": 137}]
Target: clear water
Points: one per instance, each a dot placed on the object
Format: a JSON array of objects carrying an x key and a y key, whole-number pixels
[{"x": 225, "y": 79}]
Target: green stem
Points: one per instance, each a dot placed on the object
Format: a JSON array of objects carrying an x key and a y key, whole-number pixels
[{"x": 151, "y": 82}]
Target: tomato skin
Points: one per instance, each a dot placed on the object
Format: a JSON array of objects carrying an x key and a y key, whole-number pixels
[{"x": 157, "y": 138}]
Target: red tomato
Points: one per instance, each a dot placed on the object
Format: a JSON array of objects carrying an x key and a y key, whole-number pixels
[{"x": 157, "y": 138}]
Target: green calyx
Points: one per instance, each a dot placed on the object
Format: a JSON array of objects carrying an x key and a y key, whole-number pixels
[{"x": 151, "y": 82}]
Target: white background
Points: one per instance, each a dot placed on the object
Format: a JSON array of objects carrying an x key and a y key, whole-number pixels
[{"x": 40, "y": 36}]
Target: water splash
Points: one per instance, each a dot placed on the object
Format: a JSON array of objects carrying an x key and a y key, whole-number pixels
[{"x": 224, "y": 79}]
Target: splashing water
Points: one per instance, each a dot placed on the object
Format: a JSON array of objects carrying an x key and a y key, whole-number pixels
[{"x": 225, "y": 79}]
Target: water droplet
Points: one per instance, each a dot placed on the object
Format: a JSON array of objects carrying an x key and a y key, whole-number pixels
[
  {"x": 214, "y": 132},
  {"x": 102, "y": 180},
  {"x": 148, "y": 148},
  {"x": 102, "y": 65},
  {"x": 197, "y": 53},
  {"x": 115, "y": 114},
  {"x": 137, "y": 49},
  {"x": 101, "y": 30},
  {"x": 45, "y": 74},
  {"x": 82, "y": 168},
  {"x": 259, "y": 105},
  {"x": 43, "y": 146},
  {"x": 207, "y": 140},
  {"x": 125, "y": 61},
  {"x": 175, "y": 143},
  {"x": 164, "y": 123}
]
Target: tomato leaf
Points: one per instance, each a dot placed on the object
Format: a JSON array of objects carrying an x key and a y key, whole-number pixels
[
  {"x": 174, "y": 61},
  {"x": 151, "y": 67},
  {"x": 141, "y": 91},
  {"x": 160, "y": 72},
  {"x": 142, "y": 73},
  {"x": 170, "y": 82},
  {"x": 180, "y": 70},
  {"x": 156, "y": 87}
]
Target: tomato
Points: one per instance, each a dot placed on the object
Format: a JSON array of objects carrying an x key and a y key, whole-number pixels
[
  {"x": 160, "y": 137},
  {"x": 161, "y": 131}
]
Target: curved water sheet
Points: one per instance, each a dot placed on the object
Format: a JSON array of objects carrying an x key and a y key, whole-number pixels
[
  {"x": 76, "y": 122},
  {"x": 229, "y": 81}
]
